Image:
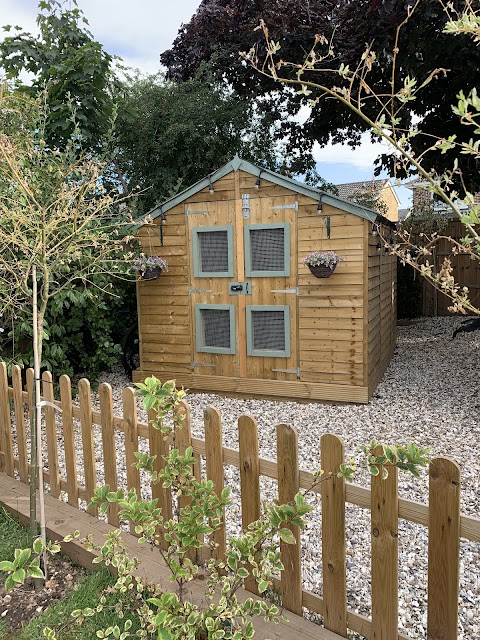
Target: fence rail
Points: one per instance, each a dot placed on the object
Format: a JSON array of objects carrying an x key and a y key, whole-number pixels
[{"x": 442, "y": 516}]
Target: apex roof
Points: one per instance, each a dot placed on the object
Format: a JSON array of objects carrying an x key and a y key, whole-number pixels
[{"x": 237, "y": 164}]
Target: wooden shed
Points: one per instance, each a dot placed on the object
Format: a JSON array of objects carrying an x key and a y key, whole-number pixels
[{"x": 238, "y": 312}]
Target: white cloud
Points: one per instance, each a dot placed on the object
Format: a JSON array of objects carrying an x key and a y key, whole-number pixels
[
  {"x": 138, "y": 32},
  {"x": 361, "y": 157}
]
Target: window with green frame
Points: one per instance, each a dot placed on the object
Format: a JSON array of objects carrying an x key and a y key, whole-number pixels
[
  {"x": 268, "y": 331},
  {"x": 215, "y": 328},
  {"x": 212, "y": 252},
  {"x": 267, "y": 249}
]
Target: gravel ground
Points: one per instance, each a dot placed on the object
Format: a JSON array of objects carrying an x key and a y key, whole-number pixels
[{"x": 429, "y": 395}]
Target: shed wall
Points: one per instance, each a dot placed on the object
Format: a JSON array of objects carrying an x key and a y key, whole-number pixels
[
  {"x": 331, "y": 310},
  {"x": 344, "y": 323},
  {"x": 382, "y": 308}
]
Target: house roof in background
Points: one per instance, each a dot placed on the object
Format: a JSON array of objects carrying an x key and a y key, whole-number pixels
[
  {"x": 237, "y": 164},
  {"x": 348, "y": 189}
]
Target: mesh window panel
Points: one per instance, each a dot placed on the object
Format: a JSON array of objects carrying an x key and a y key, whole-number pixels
[
  {"x": 268, "y": 249},
  {"x": 216, "y": 328},
  {"x": 268, "y": 328},
  {"x": 213, "y": 247}
]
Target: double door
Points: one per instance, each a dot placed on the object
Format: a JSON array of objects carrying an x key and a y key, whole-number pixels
[{"x": 243, "y": 287}]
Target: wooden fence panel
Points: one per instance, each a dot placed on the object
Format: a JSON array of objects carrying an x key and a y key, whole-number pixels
[
  {"x": 69, "y": 440},
  {"x": 443, "y": 549},
  {"x": 86, "y": 422},
  {"x": 214, "y": 467},
  {"x": 333, "y": 536},
  {"x": 249, "y": 479},
  {"x": 109, "y": 454},
  {"x": 384, "y": 541},
  {"x": 51, "y": 433},
  {"x": 442, "y": 515},
  {"x": 6, "y": 442},
  {"x": 288, "y": 486}
]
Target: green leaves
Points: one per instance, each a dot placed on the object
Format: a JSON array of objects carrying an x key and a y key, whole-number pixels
[{"x": 287, "y": 536}]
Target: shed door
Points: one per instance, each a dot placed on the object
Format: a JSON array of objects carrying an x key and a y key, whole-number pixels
[{"x": 243, "y": 287}]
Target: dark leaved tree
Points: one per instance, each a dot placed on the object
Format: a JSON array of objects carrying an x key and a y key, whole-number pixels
[{"x": 222, "y": 28}]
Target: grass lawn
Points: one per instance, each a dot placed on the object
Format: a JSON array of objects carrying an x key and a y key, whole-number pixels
[{"x": 86, "y": 592}]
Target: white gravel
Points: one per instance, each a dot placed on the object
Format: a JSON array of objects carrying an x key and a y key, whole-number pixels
[{"x": 429, "y": 395}]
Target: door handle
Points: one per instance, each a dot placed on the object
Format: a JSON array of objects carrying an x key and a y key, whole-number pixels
[{"x": 236, "y": 287}]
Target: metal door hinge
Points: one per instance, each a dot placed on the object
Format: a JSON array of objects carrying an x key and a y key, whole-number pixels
[
  {"x": 201, "y": 364},
  {"x": 295, "y": 291},
  {"x": 294, "y": 371},
  {"x": 286, "y": 206},
  {"x": 190, "y": 291},
  {"x": 192, "y": 212}
]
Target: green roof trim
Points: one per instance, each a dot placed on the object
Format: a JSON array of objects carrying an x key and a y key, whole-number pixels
[{"x": 237, "y": 164}]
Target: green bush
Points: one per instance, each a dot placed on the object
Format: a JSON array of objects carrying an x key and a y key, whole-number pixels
[{"x": 83, "y": 329}]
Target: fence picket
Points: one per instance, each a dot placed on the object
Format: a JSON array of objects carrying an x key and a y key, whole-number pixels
[
  {"x": 249, "y": 479},
  {"x": 69, "y": 440},
  {"x": 86, "y": 422},
  {"x": 51, "y": 433},
  {"x": 108, "y": 440},
  {"x": 30, "y": 385},
  {"x": 443, "y": 549},
  {"x": 6, "y": 443},
  {"x": 183, "y": 440},
  {"x": 131, "y": 442},
  {"x": 333, "y": 536},
  {"x": 288, "y": 486},
  {"x": 20, "y": 422},
  {"x": 159, "y": 447},
  {"x": 214, "y": 466},
  {"x": 384, "y": 542}
]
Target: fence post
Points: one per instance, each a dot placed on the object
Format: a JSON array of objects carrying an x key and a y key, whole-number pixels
[
  {"x": 159, "y": 447},
  {"x": 384, "y": 540},
  {"x": 249, "y": 479},
  {"x": 69, "y": 440},
  {"x": 51, "y": 432},
  {"x": 20, "y": 422},
  {"x": 108, "y": 439},
  {"x": 131, "y": 442},
  {"x": 89, "y": 467},
  {"x": 183, "y": 440},
  {"x": 214, "y": 465},
  {"x": 5, "y": 423},
  {"x": 288, "y": 486},
  {"x": 443, "y": 549},
  {"x": 333, "y": 536}
]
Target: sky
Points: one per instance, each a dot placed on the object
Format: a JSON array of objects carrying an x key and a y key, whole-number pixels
[{"x": 139, "y": 31}]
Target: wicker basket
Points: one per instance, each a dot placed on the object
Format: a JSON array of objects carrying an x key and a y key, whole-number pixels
[{"x": 321, "y": 271}]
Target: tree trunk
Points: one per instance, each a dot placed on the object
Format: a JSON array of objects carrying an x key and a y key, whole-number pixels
[{"x": 38, "y": 316}]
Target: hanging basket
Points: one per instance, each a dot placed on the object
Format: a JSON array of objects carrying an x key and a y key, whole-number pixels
[
  {"x": 321, "y": 271},
  {"x": 151, "y": 274}
]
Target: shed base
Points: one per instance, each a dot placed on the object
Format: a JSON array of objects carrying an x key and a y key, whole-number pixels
[{"x": 268, "y": 389}]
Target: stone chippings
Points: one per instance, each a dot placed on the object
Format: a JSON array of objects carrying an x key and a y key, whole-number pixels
[{"x": 429, "y": 395}]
